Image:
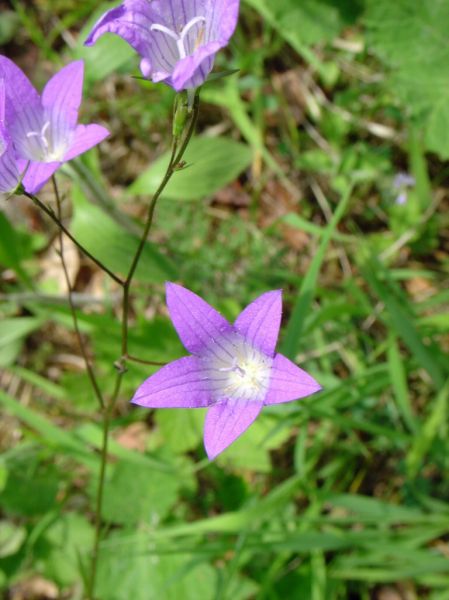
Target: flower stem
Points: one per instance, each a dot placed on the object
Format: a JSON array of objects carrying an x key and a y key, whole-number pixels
[
  {"x": 107, "y": 413},
  {"x": 175, "y": 160},
  {"x": 174, "y": 163},
  {"x": 90, "y": 372},
  {"x": 55, "y": 218}
]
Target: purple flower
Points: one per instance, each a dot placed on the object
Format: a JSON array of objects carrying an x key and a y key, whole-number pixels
[
  {"x": 176, "y": 39},
  {"x": 43, "y": 129},
  {"x": 233, "y": 371},
  {"x": 402, "y": 182},
  {"x": 9, "y": 173}
]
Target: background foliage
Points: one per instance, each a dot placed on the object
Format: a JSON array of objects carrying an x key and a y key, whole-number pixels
[{"x": 289, "y": 185}]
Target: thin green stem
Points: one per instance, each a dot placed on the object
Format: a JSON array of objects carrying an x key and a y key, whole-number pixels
[
  {"x": 107, "y": 413},
  {"x": 142, "y": 361},
  {"x": 174, "y": 163},
  {"x": 90, "y": 372},
  {"x": 49, "y": 212},
  {"x": 175, "y": 160}
]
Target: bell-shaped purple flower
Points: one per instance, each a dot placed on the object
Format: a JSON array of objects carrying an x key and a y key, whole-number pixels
[
  {"x": 43, "y": 129},
  {"x": 176, "y": 39},
  {"x": 233, "y": 371}
]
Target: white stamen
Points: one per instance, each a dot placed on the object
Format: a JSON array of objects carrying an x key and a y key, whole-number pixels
[
  {"x": 41, "y": 135},
  {"x": 166, "y": 30},
  {"x": 237, "y": 370},
  {"x": 190, "y": 24},
  {"x": 179, "y": 39}
]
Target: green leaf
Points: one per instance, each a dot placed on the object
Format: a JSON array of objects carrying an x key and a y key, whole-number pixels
[
  {"x": 182, "y": 430},
  {"x": 411, "y": 38},
  {"x": 9, "y": 25},
  {"x": 12, "y": 334},
  {"x": 436, "y": 422},
  {"x": 399, "y": 384},
  {"x": 306, "y": 22},
  {"x": 69, "y": 537},
  {"x": 211, "y": 163},
  {"x": 11, "y": 538},
  {"x": 308, "y": 286},
  {"x": 139, "y": 574},
  {"x": 134, "y": 493},
  {"x": 114, "y": 246},
  {"x": 25, "y": 477}
]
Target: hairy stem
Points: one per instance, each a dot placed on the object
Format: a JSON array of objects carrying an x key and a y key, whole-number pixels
[{"x": 89, "y": 369}]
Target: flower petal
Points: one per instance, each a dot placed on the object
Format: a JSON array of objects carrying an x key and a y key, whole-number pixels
[
  {"x": 86, "y": 137},
  {"x": 191, "y": 72},
  {"x": 37, "y": 174},
  {"x": 62, "y": 95},
  {"x": 197, "y": 323},
  {"x": 180, "y": 384},
  {"x": 131, "y": 21},
  {"x": 259, "y": 322},
  {"x": 226, "y": 422},
  {"x": 20, "y": 93},
  {"x": 222, "y": 16},
  {"x": 9, "y": 174},
  {"x": 289, "y": 382},
  {"x": 2, "y": 100}
]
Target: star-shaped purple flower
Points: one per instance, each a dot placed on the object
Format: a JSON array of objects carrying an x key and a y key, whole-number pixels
[
  {"x": 43, "y": 129},
  {"x": 233, "y": 371},
  {"x": 176, "y": 39}
]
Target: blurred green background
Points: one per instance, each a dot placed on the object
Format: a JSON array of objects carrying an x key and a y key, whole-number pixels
[{"x": 291, "y": 183}]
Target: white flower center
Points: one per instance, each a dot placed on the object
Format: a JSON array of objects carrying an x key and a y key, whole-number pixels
[
  {"x": 236, "y": 370},
  {"x": 42, "y": 134},
  {"x": 180, "y": 38},
  {"x": 44, "y": 145}
]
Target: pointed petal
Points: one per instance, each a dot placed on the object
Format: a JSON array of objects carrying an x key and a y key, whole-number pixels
[
  {"x": 226, "y": 422},
  {"x": 131, "y": 21},
  {"x": 62, "y": 95},
  {"x": 191, "y": 72},
  {"x": 37, "y": 174},
  {"x": 20, "y": 93},
  {"x": 86, "y": 137},
  {"x": 180, "y": 384},
  {"x": 259, "y": 322},
  {"x": 197, "y": 323},
  {"x": 289, "y": 382}
]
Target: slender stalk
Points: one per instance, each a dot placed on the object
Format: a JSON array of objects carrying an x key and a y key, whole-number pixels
[
  {"x": 141, "y": 361},
  {"x": 49, "y": 212},
  {"x": 175, "y": 160},
  {"x": 107, "y": 413},
  {"x": 90, "y": 372}
]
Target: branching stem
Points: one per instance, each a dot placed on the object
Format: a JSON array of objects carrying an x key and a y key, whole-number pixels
[
  {"x": 55, "y": 218},
  {"x": 174, "y": 163}
]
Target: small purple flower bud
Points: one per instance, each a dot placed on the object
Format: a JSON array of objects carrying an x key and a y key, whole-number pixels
[{"x": 176, "y": 39}]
